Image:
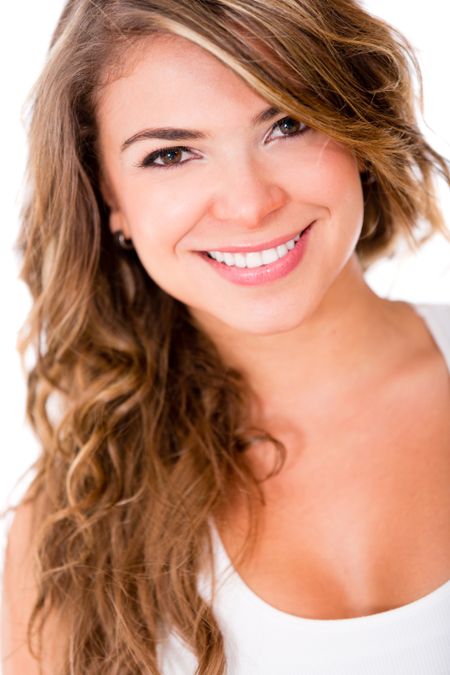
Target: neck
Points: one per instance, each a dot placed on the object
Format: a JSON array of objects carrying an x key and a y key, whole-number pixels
[{"x": 332, "y": 347}]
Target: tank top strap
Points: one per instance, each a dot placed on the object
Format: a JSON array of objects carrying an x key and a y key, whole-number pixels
[{"x": 437, "y": 318}]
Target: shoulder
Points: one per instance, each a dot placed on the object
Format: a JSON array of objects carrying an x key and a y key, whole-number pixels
[
  {"x": 436, "y": 318},
  {"x": 424, "y": 330},
  {"x": 20, "y": 591}
]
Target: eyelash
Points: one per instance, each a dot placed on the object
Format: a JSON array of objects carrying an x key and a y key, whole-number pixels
[{"x": 149, "y": 161}]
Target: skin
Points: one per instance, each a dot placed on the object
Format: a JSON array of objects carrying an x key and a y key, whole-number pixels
[
  {"x": 357, "y": 521},
  {"x": 326, "y": 357},
  {"x": 238, "y": 188}
]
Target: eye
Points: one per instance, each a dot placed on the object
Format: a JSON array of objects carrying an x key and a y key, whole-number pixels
[
  {"x": 171, "y": 157},
  {"x": 291, "y": 125}
]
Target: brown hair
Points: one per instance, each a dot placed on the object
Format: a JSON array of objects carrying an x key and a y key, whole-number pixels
[{"x": 143, "y": 427}]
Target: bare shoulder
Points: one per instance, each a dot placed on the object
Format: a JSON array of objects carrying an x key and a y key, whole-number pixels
[
  {"x": 18, "y": 598},
  {"x": 423, "y": 343}
]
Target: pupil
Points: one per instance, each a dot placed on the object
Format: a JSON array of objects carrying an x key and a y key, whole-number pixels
[
  {"x": 290, "y": 124},
  {"x": 171, "y": 155}
]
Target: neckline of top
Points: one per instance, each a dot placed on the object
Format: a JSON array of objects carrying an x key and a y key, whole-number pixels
[
  {"x": 224, "y": 564},
  {"x": 227, "y": 574}
]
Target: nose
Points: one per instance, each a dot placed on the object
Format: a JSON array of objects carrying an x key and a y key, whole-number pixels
[{"x": 246, "y": 194}]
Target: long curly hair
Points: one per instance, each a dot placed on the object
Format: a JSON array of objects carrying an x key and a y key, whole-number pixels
[{"x": 143, "y": 428}]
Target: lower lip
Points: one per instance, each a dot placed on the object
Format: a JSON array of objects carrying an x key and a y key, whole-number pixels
[{"x": 265, "y": 273}]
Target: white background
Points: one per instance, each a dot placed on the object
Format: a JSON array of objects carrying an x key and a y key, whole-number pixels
[{"x": 25, "y": 33}]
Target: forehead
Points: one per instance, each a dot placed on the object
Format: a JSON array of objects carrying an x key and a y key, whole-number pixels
[{"x": 167, "y": 78}]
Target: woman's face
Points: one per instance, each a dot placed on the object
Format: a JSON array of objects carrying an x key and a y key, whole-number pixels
[{"x": 229, "y": 181}]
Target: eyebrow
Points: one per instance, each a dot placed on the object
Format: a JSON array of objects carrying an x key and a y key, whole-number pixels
[{"x": 173, "y": 134}]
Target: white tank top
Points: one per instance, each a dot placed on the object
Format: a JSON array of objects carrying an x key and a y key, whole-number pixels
[{"x": 261, "y": 640}]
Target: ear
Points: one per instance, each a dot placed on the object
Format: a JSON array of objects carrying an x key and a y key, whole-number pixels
[{"x": 116, "y": 218}]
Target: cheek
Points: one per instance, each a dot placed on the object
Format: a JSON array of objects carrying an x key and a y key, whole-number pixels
[
  {"x": 329, "y": 177},
  {"x": 329, "y": 181},
  {"x": 160, "y": 213},
  {"x": 344, "y": 185}
]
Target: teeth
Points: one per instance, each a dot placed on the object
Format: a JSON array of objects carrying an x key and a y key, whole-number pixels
[
  {"x": 255, "y": 258},
  {"x": 240, "y": 260},
  {"x": 282, "y": 250},
  {"x": 269, "y": 255}
]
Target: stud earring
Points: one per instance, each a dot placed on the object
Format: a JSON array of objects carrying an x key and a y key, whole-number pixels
[
  {"x": 126, "y": 244},
  {"x": 368, "y": 177}
]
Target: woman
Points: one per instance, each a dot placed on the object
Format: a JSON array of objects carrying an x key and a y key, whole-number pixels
[{"x": 214, "y": 381}]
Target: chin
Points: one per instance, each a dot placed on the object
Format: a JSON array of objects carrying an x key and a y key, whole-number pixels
[{"x": 264, "y": 323}]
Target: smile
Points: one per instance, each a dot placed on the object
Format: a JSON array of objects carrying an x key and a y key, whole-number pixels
[
  {"x": 254, "y": 258},
  {"x": 254, "y": 267}
]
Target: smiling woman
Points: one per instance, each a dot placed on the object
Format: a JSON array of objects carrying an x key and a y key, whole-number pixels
[
  {"x": 216, "y": 388},
  {"x": 247, "y": 184}
]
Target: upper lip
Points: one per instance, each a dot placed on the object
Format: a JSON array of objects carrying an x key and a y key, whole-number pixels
[{"x": 273, "y": 243}]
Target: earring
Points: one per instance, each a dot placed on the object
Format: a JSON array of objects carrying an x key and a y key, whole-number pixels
[
  {"x": 368, "y": 177},
  {"x": 126, "y": 244}
]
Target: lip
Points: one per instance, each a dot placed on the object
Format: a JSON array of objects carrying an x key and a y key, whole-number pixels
[
  {"x": 256, "y": 276},
  {"x": 273, "y": 243}
]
